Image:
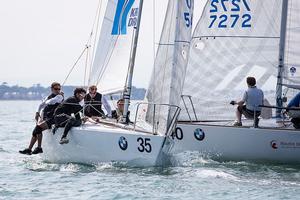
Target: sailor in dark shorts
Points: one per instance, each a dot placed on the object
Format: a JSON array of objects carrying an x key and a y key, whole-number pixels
[
  {"x": 249, "y": 114},
  {"x": 249, "y": 105},
  {"x": 63, "y": 113},
  {"x": 45, "y": 121}
]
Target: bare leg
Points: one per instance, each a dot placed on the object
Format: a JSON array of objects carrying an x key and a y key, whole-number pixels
[
  {"x": 238, "y": 114},
  {"x": 44, "y": 126},
  {"x": 39, "y": 139},
  {"x": 32, "y": 142}
]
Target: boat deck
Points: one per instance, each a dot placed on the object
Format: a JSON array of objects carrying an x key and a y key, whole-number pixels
[
  {"x": 113, "y": 125},
  {"x": 263, "y": 123}
]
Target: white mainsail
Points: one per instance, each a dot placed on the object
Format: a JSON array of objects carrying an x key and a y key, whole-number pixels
[
  {"x": 111, "y": 59},
  {"x": 170, "y": 64},
  {"x": 232, "y": 40},
  {"x": 292, "y": 44}
]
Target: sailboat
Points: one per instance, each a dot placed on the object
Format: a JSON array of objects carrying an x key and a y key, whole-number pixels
[
  {"x": 233, "y": 40},
  {"x": 134, "y": 144}
]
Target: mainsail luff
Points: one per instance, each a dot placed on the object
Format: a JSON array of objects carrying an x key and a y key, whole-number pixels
[
  {"x": 180, "y": 54},
  {"x": 281, "y": 57},
  {"x": 168, "y": 74},
  {"x": 128, "y": 85}
]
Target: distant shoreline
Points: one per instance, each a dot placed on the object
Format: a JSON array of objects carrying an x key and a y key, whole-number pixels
[{"x": 37, "y": 92}]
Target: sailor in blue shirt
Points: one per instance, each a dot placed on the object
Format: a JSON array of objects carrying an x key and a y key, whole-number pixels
[
  {"x": 295, "y": 102},
  {"x": 249, "y": 105}
]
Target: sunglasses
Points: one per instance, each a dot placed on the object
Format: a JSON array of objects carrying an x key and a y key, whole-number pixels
[
  {"x": 56, "y": 88},
  {"x": 93, "y": 89}
]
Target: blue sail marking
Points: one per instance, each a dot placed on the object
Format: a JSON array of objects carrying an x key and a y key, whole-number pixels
[
  {"x": 125, "y": 15},
  {"x": 120, "y": 20}
]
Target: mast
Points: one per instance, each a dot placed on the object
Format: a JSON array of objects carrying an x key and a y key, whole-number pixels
[
  {"x": 128, "y": 86},
  {"x": 281, "y": 57}
]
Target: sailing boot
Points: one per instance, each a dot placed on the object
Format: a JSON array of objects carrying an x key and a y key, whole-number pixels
[
  {"x": 26, "y": 151},
  {"x": 63, "y": 140},
  {"x": 37, "y": 150}
]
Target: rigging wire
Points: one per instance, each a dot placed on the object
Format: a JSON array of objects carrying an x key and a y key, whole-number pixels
[
  {"x": 86, "y": 66},
  {"x": 86, "y": 46},
  {"x": 97, "y": 19},
  {"x": 108, "y": 57},
  {"x": 74, "y": 65}
]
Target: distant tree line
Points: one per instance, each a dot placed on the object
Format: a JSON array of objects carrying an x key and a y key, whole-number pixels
[{"x": 37, "y": 92}]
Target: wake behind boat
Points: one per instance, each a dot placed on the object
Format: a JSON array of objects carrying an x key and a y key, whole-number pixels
[{"x": 234, "y": 40}]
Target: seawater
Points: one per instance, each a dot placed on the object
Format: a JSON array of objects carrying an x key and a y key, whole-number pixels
[{"x": 192, "y": 177}]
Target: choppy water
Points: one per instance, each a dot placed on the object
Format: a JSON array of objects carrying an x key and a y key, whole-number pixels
[{"x": 193, "y": 177}]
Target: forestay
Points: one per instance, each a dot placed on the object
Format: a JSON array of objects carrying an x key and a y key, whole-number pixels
[
  {"x": 170, "y": 65},
  {"x": 233, "y": 39},
  {"x": 111, "y": 59}
]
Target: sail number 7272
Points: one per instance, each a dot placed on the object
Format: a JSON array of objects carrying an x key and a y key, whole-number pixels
[{"x": 229, "y": 14}]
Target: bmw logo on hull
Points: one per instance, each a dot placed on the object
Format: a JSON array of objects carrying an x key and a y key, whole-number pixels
[
  {"x": 199, "y": 134},
  {"x": 123, "y": 144}
]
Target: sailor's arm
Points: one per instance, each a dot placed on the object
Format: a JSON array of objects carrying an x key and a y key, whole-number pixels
[
  {"x": 57, "y": 99},
  {"x": 40, "y": 108},
  {"x": 241, "y": 102}
]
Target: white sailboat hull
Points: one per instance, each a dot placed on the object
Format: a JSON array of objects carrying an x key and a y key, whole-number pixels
[
  {"x": 92, "y": 144},
  {"x": 239, "y": 143}
]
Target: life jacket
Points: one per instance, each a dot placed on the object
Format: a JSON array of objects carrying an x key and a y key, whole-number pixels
[
  {"x": 48, "y": 111},
  {"x": 96, "y": 108}
]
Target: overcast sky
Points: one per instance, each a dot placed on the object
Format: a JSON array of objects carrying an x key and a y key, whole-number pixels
[{"x": 41, "y": 39}]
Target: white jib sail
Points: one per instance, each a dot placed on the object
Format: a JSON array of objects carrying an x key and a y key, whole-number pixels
[
  {"x": 233, "y": 39},
  {"x": 170, "y": 64},
  {"x": 111, "y": 59}
]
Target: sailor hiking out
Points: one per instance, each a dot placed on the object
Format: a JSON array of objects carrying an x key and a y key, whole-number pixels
[
  {"x": 63, "y": 113},
  {"x": 46, "y": 119}
]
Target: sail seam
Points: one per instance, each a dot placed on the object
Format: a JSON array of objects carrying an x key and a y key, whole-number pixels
[{"x": 237, "y": 36}]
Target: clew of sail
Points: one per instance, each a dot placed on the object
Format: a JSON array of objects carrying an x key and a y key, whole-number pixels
[
  {"x": 232, "y": 40},
  {"x": 170, "y": 64},
  {"x": 110, "y": 64}
]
